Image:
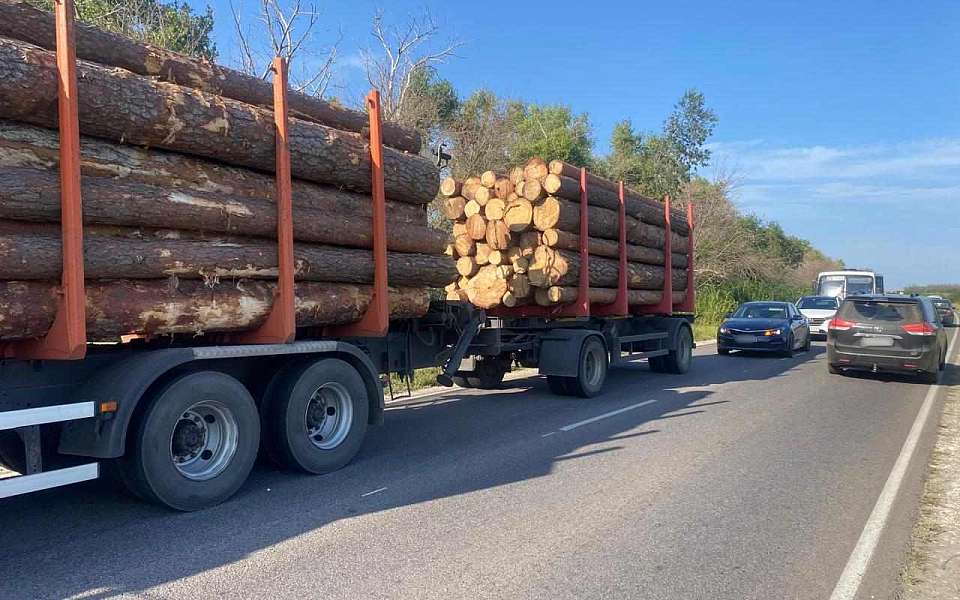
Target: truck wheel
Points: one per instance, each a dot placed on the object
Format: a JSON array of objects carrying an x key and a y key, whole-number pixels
[
  {"x": 461, "y": 382},
  {"x": 591, "y": 369},
  {"x": 12, "y": 452},
  {"x": 488, "y": 373},
  {"x": 195, "y": 445},
  {"x": 316, "y": 416},
  {"x": 678, "y": 361}
]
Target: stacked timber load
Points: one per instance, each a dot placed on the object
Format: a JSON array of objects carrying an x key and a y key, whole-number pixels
[
  {"x": 177, "y": 161},
  {"x": 516, "y": 238}
]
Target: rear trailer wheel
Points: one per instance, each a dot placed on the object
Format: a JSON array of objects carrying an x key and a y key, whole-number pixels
[
  {"x": 679, "y": 359},
  {"x": 195, "y": 444},
  {"x": 488, "y": 373},
  {"x": 316, "y": 416},
  {"x": 591, "y": 369}
]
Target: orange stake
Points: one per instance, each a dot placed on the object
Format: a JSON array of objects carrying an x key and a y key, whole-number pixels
[{"x": 67, "y": 336}]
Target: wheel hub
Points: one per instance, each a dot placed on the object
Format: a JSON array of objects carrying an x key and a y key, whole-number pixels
[
  {"x": 328, "y": 417},
  {"x": 204, "y": 440},
  {"x": 188, "y": 438}
]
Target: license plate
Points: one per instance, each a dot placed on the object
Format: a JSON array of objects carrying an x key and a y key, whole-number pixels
[
  {"x": 746, "y": 339},
  {"x": 877, "y": 342}
]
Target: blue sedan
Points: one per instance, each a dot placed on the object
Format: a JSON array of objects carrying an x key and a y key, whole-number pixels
[{"x": 765, "y": 327}]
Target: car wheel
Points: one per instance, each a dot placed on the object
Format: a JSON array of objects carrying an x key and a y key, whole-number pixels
[
  {"x": 834, "y": 369},
  {"x": 788, "y": 352},
  {"x": 806, "y": 346}
]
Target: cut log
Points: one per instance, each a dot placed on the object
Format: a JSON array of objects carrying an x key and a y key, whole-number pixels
[
  {"x": 606, "y": 193},
  {"x": 459, "y": 228},
  {"x": 34, "y": 195},
  {"x": 552, "y": 267},
  {"x": 520, "y": 264},
  {"x": 450, "y": 187},
  {"x": 122, "y": 106},
  {"x": 167, "y": 307},
  {"x": 496, "y": 257},
  {"x": 488, "y": 179},
  {"x": 535, "y": 169},
  {"x": 469, "y": 188},
  {"x": 482, "y": 253},
  {"x": 466, "y": 266},
  {"x": 35, "y": 147},
  {"x": 485, "y": 289},
  {"x": 497, "y": 235},
  {"x": 609, "y": 248},
  {"x": 565, "y": 187},
  {"x": 515, "y": 175},
  {"x": 471, "y": 208},
  {"x": 503, "y": 188},
  {"x": 533, "y": 190},
  {"x": 565, "y": 295},
  {"x": 452, "y": 207},
  {"x": 477, "y": 227},
  {"x": 33, "y": 255},
  {"x": 483, "y": 195},
  {"x": 510, "y": 299},
  {"x": 464, "y": 245},
  {"x": 494, "y": 209},
  {"x": 21, "y": 21},
  {"x": 518, "y": 215}
]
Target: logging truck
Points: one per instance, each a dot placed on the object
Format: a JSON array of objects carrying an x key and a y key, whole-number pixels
[{"x": 158, "y": 323}]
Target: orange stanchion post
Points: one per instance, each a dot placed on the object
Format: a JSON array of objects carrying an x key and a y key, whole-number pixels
[
  {"x": 280, "y": 327},
  {"x": 689, "y": 305},
  {"x": 376, "y": 320},
  {"x": 67, "y": 337},
  {"x": 581, "y": 307}
]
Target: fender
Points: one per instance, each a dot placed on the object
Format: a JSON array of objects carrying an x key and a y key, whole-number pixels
[
  {"x": 560, "y": 351},
  {"x": 126, "y": 382}
]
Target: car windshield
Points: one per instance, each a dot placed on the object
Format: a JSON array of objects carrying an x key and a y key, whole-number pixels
[
  {"x": 942, "y": 303},
  {"x": 859, "y": 284},
  {"x": 869, "y": 311},
  {"x": 817, "y": 304},
  {"x": 761, "y": 311}
]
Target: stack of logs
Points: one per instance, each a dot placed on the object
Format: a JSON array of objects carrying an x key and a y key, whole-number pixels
[
  {"x": 516, "y": 238},
  {"x": 178, "y": 201}
]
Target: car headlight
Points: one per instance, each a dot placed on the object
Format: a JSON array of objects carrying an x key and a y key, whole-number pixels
[
  {"x": 724, "y": 329},
  {"x": 772, "y": 332}
]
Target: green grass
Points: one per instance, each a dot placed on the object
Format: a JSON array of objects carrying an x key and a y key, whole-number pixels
[
  {"x": 422, "y": 378},
  {"x": 715, "y": 301}
]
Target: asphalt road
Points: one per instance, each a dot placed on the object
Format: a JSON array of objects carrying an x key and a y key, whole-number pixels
[{"x": 750, "y": 477}]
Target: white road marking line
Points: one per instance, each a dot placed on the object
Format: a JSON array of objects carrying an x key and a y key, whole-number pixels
[
  {"x": 856, "y": 568},
  {"x": 548, "y": 434},
  {"x": 376, "y": 491},
  {"x": 606, "y": 415}
]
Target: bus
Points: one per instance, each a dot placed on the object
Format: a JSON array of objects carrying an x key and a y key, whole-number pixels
[{"x": 841, "y": 284}]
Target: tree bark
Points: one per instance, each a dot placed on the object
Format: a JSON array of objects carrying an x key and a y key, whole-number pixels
[
  {"x": 32, "y": 255},
  {"x": 28, "y": 146},
  {"x": 560, "y": 267},
  {"x": 154, "y": 308},
  {"x": 557, "y": 213},
  {"x": 19, "y": 20},
  {"x": 34, "y": 195},
  {"x": 606, "y": 193},
  {"x": 121, "y": 106},
  {"x": 570, "y": 241}
]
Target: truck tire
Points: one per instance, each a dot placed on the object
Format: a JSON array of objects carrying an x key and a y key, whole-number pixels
[
  {"x": 461, "y": 382},
  {"x": 679, "y": 359},
  {"x": 488, "y": 373},
  {"x": 194, "y": 445},
  {"x": 316, "y": 416},
  {"x": 591, "y": 369},
  {"x": 12, "y": 452}
]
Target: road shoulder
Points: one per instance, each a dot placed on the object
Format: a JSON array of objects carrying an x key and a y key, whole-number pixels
[{"x": 932, "y": 571}]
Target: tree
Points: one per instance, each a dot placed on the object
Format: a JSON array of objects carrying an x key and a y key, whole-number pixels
[
  {"x": 688, "y": 128},
  {"x": 169, "y": 24},
  {"x": 551, "y": 132},
  {"x": 287, "y": 30},
  {"x": 479, "y": 134},
  {"x": 401, "y": 65}
]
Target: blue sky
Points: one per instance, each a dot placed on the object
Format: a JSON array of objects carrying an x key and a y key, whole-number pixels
[{"x": 840, "y": 120}]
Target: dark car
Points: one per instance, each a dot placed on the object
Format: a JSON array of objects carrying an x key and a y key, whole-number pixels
[
  {"x": 946, "y": 311},
  {"x": 766, "y": 327},
  {"x": 887, "y": 333}
]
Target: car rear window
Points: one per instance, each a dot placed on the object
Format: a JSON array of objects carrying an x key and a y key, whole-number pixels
[
  {"x": 818, "y": 303},
  {"x": 874, "y": 311}
]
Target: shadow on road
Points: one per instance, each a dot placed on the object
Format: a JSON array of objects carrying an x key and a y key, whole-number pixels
[{"x": 94, "y": 541}]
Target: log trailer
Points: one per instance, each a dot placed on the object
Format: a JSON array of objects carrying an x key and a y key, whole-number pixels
[{"x": 181, "y": 421}]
